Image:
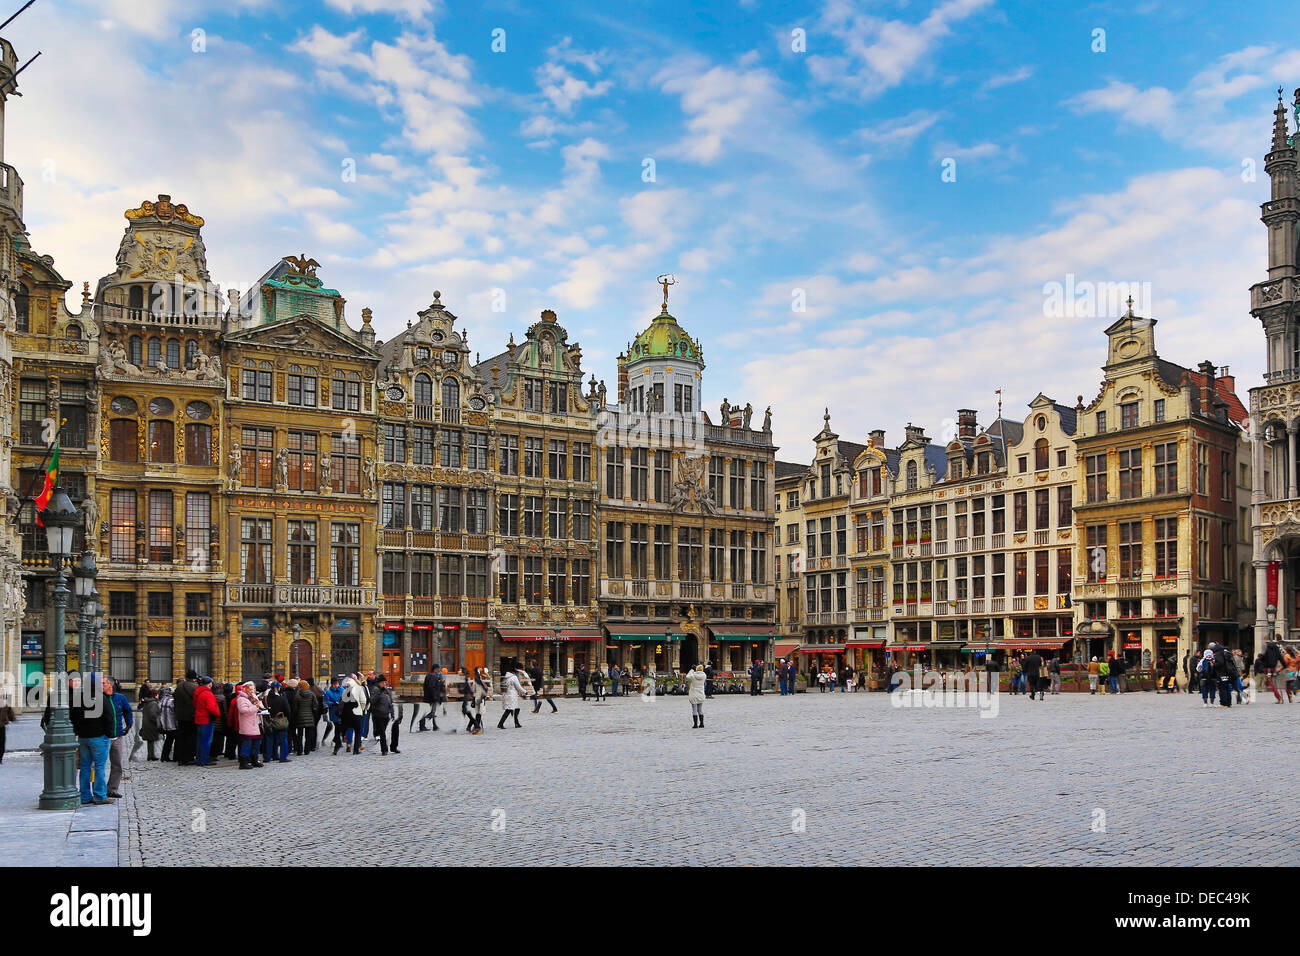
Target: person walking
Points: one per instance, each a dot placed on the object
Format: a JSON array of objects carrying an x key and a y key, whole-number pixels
[
  {"x": 304, "y": 720},
  {"x": 186, "y": 730},
  {"x": 696, "y": 681},
  {"x": 539, "y": 690},
  {"x": 480, "y": 692},
  {"x": 1030, "y": 664},
  {"x": 150, "y": 726},
  {"x": 1269, "y": 662},
  {"x": 755, "y": 678},
  {"x": 1094, "y": 674},
  {"x": 511, "y": 691},
  {"x": 780, "y": 675},
  {"x": 1291, "y": 665},
  {"x": 381, "y": 711},
  {"x": 94, "y": 723},
  {"x": 1205, "y": 671},
  {"x": 583, "y": 677},
  {"x": 598, "y": 683},
  {"x": 205, "y": 713},
  {"x": 1054, "y": 671},
  {"x": 433, "y": 693}
]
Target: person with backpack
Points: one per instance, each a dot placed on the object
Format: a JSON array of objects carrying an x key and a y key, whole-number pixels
[
  {"x": 1205, "y": 674},
  {"x": 1030, "y": 665},
  {"x": 354, "y": 704},
  {"x": 150, "y": 725},
  {"x": 1107, "y": 677},
  {"x": 305, "y": 712},
  {"x": 433, "y": 694},
  {"x": 597, "y": 683},
  {"x": 1225, "y": 673}
]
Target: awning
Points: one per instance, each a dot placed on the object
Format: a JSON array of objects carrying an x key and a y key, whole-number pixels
[
  {"x": 578, "y": 634},
  {"x": 1024, "y": 644},
  {"x": 947, "y": 645},
  {"x": 821, "y": 648},
  {"x": 641, "y": 632},
  {"x": 866, "y": 642},
  {"x": 744, "y": 632},
  {"x": 784, "y": 648},
  {"x": 525, "y": 634},
  {"x": 906, "y": 647}
]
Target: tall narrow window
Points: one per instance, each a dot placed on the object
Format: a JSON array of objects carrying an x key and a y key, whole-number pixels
[
  {"x": 198, "y": 444},
  {"x": 160, "y": 526},
  {"x": 198, "y": 529},
  {"x": 345, "y": 554},
  {"x": 122, "y": 519},
  {"x": 302, "y": 552}
]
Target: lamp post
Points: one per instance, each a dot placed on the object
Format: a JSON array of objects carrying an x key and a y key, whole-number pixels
[
  {"x": 436, "y": 663},
  {"x": 60, "y": 791},
  {"x": 293, "y": 658},
  {"x": 84, "y": 573}
]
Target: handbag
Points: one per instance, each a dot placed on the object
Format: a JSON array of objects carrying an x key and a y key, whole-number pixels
[{"x": 280, "y": 722}]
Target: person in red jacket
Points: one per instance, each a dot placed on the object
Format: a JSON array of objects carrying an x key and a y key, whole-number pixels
[{"x": 205, "y": 712}]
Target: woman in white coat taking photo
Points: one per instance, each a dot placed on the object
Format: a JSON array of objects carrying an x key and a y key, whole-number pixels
[
  {"x": 511, "y": 691},
  {"x": 695, "y": 694}
]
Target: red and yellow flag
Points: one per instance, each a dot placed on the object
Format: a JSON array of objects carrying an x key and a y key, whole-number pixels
[{"x": 51, "y": 476}]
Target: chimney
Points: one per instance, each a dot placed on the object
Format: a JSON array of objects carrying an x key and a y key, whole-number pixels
[
  {"x": 1229, "y": 381},
  {"x": 1208, "y": 390},
  {"x": 966, "y": 422},
  {"x": 876, "y": 439},
  {"x": 915, "y": 433},
  {"x": 622, "y": 378}
]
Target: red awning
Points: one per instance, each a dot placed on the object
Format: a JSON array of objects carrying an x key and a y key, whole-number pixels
[
  {"x": 578, "y": 634},
  {"x": 880, "y": 642},
  {"x": 525, "y": 634},
  {"x": 906, "y": 647},
  {"x": 784, "y": 648},
  {"x": 821, "y": 648}
]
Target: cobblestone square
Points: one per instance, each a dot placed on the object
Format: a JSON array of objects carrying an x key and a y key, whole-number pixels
[{"x": 810, "y": 779}]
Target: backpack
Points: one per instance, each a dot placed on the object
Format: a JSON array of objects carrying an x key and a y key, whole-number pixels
[
  {"x": 1104, "y": 670},
  {"x": 1271, "y": 656}
]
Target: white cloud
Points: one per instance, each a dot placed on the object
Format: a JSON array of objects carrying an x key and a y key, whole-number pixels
[
  {"x": 880, "y": 54},
  {"x": 999, "y": 80}
]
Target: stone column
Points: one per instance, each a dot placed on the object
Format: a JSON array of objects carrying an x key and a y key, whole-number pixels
[
  {"x": 1261, "y": 604},
  {"x": 1290, "y": 458}
]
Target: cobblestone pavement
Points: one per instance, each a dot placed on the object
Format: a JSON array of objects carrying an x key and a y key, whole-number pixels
[{"x": 1071, "y": 780}]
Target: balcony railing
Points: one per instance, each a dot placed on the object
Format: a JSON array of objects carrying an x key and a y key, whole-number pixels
[
  {"x": 691, "y": 590},
  {"x": 1018, "y": 604},
  {"x": 198, "y": 625},
  {"x": 112, "y": 312},
  {"x": 450, "y": 415},
  {"x": 1042, "y": 537},
  {"x": 940, "y": 548},
  {"x": 641, "y": 589},
  {"x": 423, "y": 413},
  {"x": 999, "y": 541},
  {"x": 119, "y": 625},
  {"x": 739, "y": 592}
]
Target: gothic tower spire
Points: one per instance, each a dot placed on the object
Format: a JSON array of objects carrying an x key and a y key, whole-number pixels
[{"x": 1276, "y": 301}]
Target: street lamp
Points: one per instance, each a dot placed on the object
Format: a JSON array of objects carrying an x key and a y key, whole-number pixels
[
  {"x": 293, "y": 654},
  {"x": 84, "y": 573},
  {"x": 60, "y": 792}
]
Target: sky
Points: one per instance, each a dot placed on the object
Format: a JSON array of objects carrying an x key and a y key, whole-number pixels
[{"x": 866, "y": 205}]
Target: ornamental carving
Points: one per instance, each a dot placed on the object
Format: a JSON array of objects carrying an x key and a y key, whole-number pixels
[{"x": 394, "y": 410}]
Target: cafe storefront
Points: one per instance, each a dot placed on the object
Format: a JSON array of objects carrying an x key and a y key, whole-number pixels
[
  {"x": 639, "y": 648},
  {"x": 866, "y": 653}
]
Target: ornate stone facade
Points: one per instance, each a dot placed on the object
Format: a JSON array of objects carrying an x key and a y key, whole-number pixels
[{"x": 544, "y": 434}]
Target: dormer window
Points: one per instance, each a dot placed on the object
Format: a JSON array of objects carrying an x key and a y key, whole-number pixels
[{"x": 422, "y": 353}]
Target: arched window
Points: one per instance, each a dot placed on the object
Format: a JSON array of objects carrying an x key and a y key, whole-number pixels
[
  {"x": 911, "y": 476},
  {"x": 191, "y": 352},
  {"x": 155, "y": 352},
  {"x": 135, "y": 297},
  {"x": 450, "y": 392},
  {"x": 173, "y": 353},
  {"x": 1040, "y": 455},
  {"x": 423, "y": 390},
  {"x": 134, "y": 353},
  {"x": 73, "y": 331}
]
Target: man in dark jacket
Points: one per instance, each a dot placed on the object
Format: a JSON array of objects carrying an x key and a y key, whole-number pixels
[
  {"x": 1225, "y": 673},
  {"x": 381, "y": 711},
  {"x": 993, "y": 669},
  {"x": 1031, "y": 664},
  {"x": 435, "y": 692},
  {"x": 186, "y": 730},
  {"x": 1117, "y": 669},
  {"x": 708, "y": 679},
  {"x": 304, "y": 709},
  {"x": 95, "y": 724},
  {"x": 755, "y": 678},
  {"x": 539, "y": 690},
  {"x": 582, "y": 680}
]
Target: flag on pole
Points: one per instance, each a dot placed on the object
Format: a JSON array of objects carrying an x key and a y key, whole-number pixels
[{"x": 51, "y": 476}]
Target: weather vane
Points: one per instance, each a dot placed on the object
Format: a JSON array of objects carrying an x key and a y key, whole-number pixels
[{"x": 666, "y": 280}]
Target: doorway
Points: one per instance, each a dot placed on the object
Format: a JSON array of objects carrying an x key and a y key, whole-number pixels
[
  {"x": 300, "y": 659},
  {"x": 257, "y": 657}
]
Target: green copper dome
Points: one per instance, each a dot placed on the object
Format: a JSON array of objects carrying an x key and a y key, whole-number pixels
[{"x": 664, "y": 339}]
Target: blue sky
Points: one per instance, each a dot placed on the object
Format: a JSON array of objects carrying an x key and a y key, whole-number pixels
[{"x": 515, "y": 178}]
